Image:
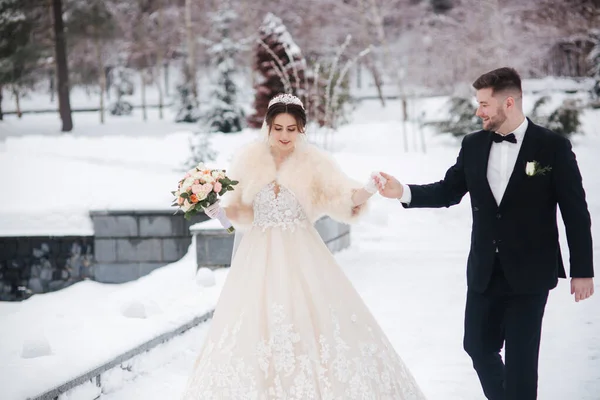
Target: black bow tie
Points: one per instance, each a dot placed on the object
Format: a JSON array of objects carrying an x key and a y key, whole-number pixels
[{"x": 509, "y": 138}]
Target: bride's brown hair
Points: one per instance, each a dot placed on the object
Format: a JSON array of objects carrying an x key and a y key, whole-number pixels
[{"x": 294, "y": 110}]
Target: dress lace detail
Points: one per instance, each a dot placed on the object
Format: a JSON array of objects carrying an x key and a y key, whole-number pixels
[
  {"x": 292, "y": 369},
  {"x": 289, "y": 325},
  {"x": 280, "y": 210}
]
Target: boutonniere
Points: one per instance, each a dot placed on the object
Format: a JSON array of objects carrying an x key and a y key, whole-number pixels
[{"x": 533, "y": 168}]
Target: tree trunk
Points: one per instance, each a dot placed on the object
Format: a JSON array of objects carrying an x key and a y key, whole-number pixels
[
  {"x": 160, "y": 96},
  {"x": 159, "y": 63},
  {"x": 191, "y": 57},
  {"x": 377, "y": 79},
  {"x": 64, "y": 103},
  {"x": 52, "y": 72},
  {"x": 404, "y": 130},
  {"x": 17, "y": 102},
  {"x": 52, "y": 85},
  {"x": 1, "y": 115},
  {"x": 166, "y": 73},
  {"x": 101, "y": 73},
  {"x": 366, "y": 38},
  {"x": 143, "y": 92}
]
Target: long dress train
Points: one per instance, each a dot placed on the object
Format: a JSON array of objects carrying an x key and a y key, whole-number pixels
[{"x": 290, "y": 325}]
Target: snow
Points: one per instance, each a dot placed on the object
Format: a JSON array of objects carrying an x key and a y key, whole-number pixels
[
  {"x": 34, "y": 347},
  {"x": 408, "y": 265},
  {"x": 85, "y": 326},
  {"x": 205, "y": 277}
]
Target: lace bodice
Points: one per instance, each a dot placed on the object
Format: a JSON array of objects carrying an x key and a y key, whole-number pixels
[{"x": 280, "y": 210}]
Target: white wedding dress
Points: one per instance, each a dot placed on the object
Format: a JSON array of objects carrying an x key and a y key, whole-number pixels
[{"x": 290, "y": 325}]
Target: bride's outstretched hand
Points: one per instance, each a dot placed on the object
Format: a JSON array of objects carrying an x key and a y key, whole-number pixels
[
  {"x": 375, "y": 183},
  {"x": 391, "y": 188}
]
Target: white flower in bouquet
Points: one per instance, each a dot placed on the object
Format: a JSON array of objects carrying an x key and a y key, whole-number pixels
[
  {"x": 187, "y": 183},
  {"x": 218, "y": 174},
  {"x": 207, "y": 178}
]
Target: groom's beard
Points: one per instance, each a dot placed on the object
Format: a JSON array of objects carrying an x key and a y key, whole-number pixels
[{"x": 494, "y": 123}]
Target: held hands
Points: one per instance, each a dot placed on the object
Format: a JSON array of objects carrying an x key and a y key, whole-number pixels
[
  {"x": 375, "y": 183},
  {"x": 582, "y": 288},
  {"x": 391, "y": 188}
]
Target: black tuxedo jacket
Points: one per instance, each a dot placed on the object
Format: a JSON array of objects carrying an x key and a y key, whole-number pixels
[{"x": 523, "y": 226}]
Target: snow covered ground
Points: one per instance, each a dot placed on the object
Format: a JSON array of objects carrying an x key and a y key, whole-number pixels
[{"x": 408, "y": 265}]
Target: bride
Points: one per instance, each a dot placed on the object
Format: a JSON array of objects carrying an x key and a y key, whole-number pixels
[{"x": 289, "y": 324}]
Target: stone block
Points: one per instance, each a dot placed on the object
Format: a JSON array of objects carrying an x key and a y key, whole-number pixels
[
  {"x": 105, "y": 250},
  {"x": 115, "y": 225},
  {"x": 330, "y": 229},
  {"x": 114, "y": 273},
  {"x": 139, "y": 250},
  {"x": 214, "y": 250},
  {"x": 8, "y": 248},
  {"x": 339, "y": 244},
  {"x": 122, "y": 272},
  {"x": 157, "y": 226},
  {"x": 175, "y": 248},
  {"x": 145, "y": 268}
]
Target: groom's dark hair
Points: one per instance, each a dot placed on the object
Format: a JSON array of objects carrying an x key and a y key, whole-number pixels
[{"x": 499, "y": 80}]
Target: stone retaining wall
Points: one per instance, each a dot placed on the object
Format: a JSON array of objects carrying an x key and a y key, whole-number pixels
[
  {"x": 214, "y": 244},
  {"x": 126, "y": 245},
  {"x": 130, "y": 244}
]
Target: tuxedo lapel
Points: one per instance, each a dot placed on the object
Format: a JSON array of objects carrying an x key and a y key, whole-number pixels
[
  {"x": 526, "y": 153},
  {"x": 484, "y": 160}
]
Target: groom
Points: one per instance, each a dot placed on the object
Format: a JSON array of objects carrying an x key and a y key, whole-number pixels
[{"x": 516, "y": 173}]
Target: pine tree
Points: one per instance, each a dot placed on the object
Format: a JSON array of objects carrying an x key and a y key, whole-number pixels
[
  {"x": 187, "y": 105},
  {"x": 280, "y": 66},
  {"x": 122, "y": 82},
  {"x": 594, "y": 56},
  {"x": 224, "y": 114},
  {"x": 462, "y": 117},
  {"x": 19, "y": 55}
]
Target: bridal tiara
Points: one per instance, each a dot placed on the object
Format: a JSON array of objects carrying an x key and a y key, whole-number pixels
[{"x": 286, "y": 98}]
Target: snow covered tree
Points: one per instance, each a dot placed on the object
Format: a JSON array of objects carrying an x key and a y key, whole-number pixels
[
  {"x": 122, "y": 81},
  {"x": 564, "y": 120},
  {"x": 92, "y": 24},
  {"x": 186, "y": 104},
  {"x": 19, "y": 55},
  {"x": 280, "y": 66},
  {"x": 462, "y": 117},
  {"x": 201, "y": 150},
  {"x": 224, "y": 114}
]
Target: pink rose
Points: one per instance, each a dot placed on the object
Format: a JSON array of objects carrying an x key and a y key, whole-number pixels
[
  {"x": 196, "y": 182},
  {"x": 197, "y": 189},
  {"x": 207, "y": 187},
  {"x": 217, "y": 188}
]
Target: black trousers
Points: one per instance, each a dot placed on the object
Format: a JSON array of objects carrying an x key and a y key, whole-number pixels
[{"x": 496, "y": 318}]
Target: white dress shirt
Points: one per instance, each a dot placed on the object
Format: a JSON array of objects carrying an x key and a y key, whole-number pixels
[{"x": 501, "y": 163}]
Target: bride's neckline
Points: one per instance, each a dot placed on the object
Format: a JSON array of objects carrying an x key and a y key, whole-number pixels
[{"x": 279, "y": 161}]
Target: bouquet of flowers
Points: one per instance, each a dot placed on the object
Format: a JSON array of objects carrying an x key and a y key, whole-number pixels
[{"x": 201, "y": 187}]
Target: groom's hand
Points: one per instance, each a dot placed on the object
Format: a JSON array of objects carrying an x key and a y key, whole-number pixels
[
  {"x": 582, "y": 288},
  {"x": 392, "y": 189}
]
